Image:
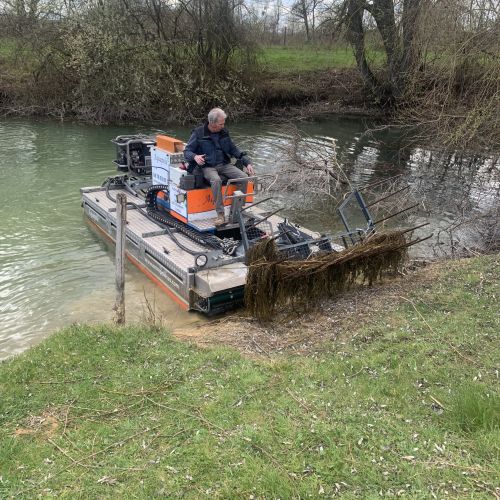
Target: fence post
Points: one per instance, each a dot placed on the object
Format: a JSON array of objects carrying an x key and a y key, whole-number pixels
[{"x": 121, "y": 224}]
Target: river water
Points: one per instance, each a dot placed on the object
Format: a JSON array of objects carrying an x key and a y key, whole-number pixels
[{"x": 55, "y": 270}]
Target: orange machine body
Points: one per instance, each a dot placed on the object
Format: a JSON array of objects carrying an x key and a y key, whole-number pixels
[
  {"x": 169, "y": 144},
  {"x": 186, "y": 205},
  {"x": 198, "y": 204}
]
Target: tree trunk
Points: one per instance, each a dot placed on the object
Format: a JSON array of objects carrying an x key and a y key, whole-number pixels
[
  {"x": 406, "y": 63},
  {"x": 398, "y": 43},
  {"x": 306, "y": 21},
  {"x": 357, "y": 38}
]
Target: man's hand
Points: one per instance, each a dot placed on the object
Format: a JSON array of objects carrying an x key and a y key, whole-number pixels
[
  {"x": 249, "y": 169},
  {"x": 199, "y": 159}
]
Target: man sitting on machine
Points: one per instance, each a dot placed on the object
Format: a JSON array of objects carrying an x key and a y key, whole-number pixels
[{"x": 210, "y": 147}]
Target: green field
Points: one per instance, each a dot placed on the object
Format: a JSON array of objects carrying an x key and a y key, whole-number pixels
[
  {"x": 406, "y": 405},
  {"x": 301, "y": 59},
  {"x": 7, "y": 47}
]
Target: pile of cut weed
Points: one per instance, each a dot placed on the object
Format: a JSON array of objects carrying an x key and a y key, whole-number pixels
[{"x": 274, "y": 280}]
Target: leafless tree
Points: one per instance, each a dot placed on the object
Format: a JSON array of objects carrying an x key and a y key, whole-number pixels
[
  {"x": 397, "y": 25},
  {"x": 306, "y": 11}
]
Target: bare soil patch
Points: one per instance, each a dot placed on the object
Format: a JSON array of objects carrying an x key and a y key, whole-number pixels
[
  {"x": 305, "y": 332},
  {"x": 45, "y": 424},
  {"x": 314, "y": 94}
]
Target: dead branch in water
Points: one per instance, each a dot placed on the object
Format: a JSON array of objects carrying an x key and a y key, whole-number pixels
[
  {"x": 308, "y": 166},
  {"x": 311, "y": 173}
]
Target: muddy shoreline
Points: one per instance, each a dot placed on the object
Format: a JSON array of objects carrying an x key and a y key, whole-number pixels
[{"x": 306, "y": 332}]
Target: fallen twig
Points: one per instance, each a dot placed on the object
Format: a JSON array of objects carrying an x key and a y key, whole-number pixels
[
  {"x": 301, "y": 403},
  {"x": 196, "y": 417},
  {"x": 438, "y": 402},
  {"x": 72, "y": 381}
]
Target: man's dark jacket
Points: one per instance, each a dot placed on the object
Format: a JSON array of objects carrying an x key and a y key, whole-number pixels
[{"x": 200, "y": 143}]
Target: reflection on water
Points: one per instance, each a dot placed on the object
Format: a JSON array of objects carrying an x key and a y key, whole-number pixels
[
  {"x": 453, "y": 189},
  {"x": 55, "y": 271}
]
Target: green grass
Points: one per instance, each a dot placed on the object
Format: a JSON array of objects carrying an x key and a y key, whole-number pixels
[
  {"x": 474, "y": 409},
  {"x": 407, "y": 405},
  {"x": 301, "y": 59}
]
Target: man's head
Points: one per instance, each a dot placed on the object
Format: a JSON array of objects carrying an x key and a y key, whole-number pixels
[{"x": 216, "y": 120}]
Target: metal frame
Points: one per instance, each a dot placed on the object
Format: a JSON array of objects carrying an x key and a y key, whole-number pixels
[
  {"x": 133, "y": 139},
  {"x": 236, "y": 181},
  {"x": 370, "y": 225}
]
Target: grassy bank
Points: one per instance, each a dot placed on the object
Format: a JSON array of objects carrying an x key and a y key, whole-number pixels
[
  {"x": 311, "y": 81},
  {"x": 407, "y": 403}
]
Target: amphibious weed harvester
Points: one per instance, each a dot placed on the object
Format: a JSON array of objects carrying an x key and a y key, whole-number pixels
[{"x": 171, "y": 236}]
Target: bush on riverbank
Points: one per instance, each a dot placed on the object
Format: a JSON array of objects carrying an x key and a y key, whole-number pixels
[
  {"x": 405, "y": 403},
  {"x": 117, "y": 62}
]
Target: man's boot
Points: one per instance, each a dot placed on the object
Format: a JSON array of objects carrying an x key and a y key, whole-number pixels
[{"x": 219, "y": 220}]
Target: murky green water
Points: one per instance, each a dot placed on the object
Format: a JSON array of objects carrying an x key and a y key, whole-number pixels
[{"x": 54, "y": 270}]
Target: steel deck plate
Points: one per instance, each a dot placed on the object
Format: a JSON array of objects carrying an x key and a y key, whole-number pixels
[
  {"x": 203, "y": 225},
  {"x": 139, "y": 224},
  {"x": 103, "y": 201},
  {"x": 165, "y": 246}
]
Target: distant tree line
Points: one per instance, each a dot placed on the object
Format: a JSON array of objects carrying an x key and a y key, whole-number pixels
[
  {"x": 441, "y": 57},
  {"x": 131, "y": 59}
]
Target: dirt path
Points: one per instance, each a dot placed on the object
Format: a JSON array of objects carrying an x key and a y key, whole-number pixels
[{"x": 302, "y": 332}]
